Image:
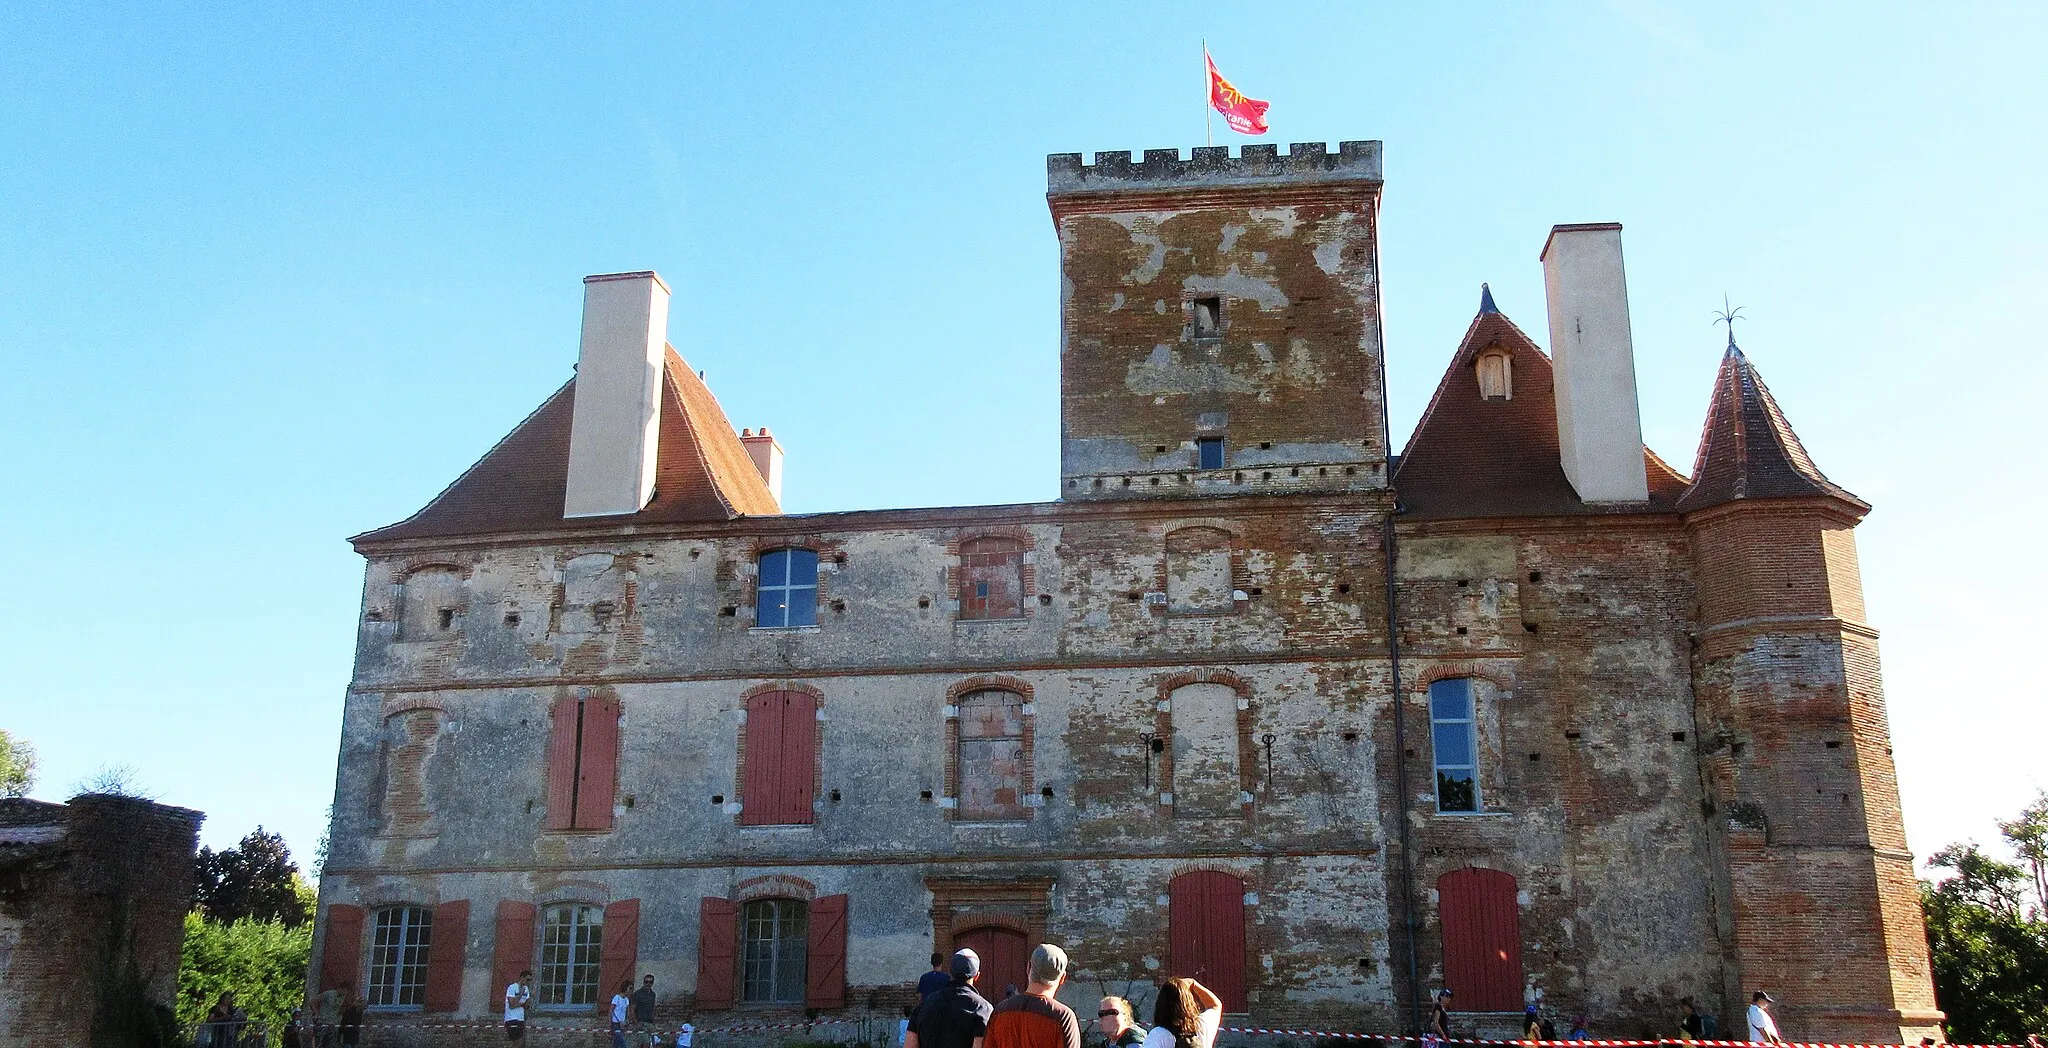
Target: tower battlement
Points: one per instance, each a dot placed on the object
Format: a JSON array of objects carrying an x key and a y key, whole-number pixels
[{"x": 1213, "y": 166}]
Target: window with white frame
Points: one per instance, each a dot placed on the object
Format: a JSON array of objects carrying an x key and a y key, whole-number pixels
[
  {"x": 776, "y": 937},
  {"x": 571, "y": 945},
  {"x": 787, "y": 589},
  {"x": 398, "y": 956},
  {"x": 1454, "y": 745}
]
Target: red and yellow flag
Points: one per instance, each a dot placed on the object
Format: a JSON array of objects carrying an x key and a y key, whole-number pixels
[{"x": 1246, "y": 116}]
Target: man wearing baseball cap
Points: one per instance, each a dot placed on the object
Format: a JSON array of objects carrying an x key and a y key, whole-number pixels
[
  {"x": 954, "y": 1017},
  {"x": 1761, "y": 1026}
]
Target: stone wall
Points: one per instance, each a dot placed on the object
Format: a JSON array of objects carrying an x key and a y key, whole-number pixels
[{"x": 93, "y": 896}]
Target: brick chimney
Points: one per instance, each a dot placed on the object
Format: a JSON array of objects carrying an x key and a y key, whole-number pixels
[
  {"x": 767, "y": 456},
  {"x": 1599, "y": 423},
  {"x": 615, "y": 432}
]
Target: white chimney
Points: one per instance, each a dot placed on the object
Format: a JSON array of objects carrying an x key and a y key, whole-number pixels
[
  {"x": 767, "y": 456},
  {"x": 617, "y": 425},
  {"x": 1599, "y": 424}
]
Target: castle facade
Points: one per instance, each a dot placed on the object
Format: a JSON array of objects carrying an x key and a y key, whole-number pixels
[{"x": 1516, "y": 709}]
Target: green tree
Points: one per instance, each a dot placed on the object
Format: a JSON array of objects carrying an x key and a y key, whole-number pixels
[
  {"x": 1990, "y": 951},
  {"x": 17, "y": 766},
  {"x": 2028, "y": 835},
  {"x": 263, "y": 962},
  {"x": 255, "y": 879}
]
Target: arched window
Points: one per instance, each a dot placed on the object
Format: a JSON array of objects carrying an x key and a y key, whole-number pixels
[
  {"x": 990, "y": 756},
  {"x": 775, "y": 938},
  {"x": 398, "y": 956},
  {"x": 1496, "y": 373},
  {"x": 1482, "y": 931},
  {"x": 571, "y": 947},
  {"x": 1205, "y": 924},
  {"x": 1454, "y": 745},
  {"x": 991, "y": 579},
  {"x": 786, "y": 590}
]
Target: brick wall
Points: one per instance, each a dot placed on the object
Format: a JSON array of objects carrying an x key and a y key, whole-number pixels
[{"x": 94, "y": 893}]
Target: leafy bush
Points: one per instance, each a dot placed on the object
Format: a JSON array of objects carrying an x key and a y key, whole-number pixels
[{"x": 263, "y": 962}]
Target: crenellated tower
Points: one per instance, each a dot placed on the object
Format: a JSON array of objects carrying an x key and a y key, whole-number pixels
[
  {"x": 1820, "y": 903},
  {"x": 1219, "y": 322}
]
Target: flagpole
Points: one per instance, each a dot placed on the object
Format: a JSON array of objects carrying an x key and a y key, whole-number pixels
[{"x": 1208, "y": 136}]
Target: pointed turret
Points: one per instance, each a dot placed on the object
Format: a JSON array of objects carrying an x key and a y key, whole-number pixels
[
  {"x": 1486, "y": 301},
  {"x": 1748, "y": 450},
  {"x": 1789, "y": 701}
]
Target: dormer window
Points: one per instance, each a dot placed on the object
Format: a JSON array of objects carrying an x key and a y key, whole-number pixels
[{"x": 1496, "y": 373}]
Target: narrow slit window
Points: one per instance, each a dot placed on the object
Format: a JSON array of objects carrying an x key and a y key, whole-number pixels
[
  {"x": 1209, "y": 452},
  {"x": 1454, "y": 745},
  {"x": 1208, "y": 317}
]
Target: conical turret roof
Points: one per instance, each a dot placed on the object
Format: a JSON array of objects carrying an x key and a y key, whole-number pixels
[{"x": 1748, "y": 449}]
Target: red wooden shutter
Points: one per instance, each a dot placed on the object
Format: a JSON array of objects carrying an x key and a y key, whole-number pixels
[
  {"x": 760, "y": 788},
  {"x": 446, "y": 946},
  {"x": 1205, "y": 926},
  {"x": 718, "y": 934},
  {"x": 561, "y": 769},
  {"x": 825, "y": 985},
  {"x": 615, "y": 963},
  {"x": 799, "y": 757},
  {"x": 597, "y": 778},
  {"x": 1482, "y": 933},
  {"x": 513, "y": 950},
  {"x": 342, "y": 948}
]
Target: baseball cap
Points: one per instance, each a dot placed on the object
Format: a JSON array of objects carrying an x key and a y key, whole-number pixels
[{"x": 966, "y": 964}]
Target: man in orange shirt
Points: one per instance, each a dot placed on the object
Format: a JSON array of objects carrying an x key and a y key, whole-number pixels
[{"x": 1034, "y": 1019}]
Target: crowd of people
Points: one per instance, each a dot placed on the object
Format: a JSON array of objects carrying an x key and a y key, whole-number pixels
[{"x": 953, "y": 1013}]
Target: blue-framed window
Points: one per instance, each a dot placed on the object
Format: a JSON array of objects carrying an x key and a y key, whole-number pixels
[
  {"x": 1454, "y": 745},
  {"x": 571, "y": 949},
  {"x": 398, "y": 957},
  {"x": 787, "y": 593},
  {"x": 1209, "y": 452}
]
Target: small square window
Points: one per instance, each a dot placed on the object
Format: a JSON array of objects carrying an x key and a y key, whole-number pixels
[
  {"x": 1209, "y": 452},
  {"x": 981, "y": 589},
  {"x": 1208, "y": 317}
]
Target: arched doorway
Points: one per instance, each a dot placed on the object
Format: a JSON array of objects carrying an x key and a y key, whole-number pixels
[{"x": 1005, "y": 958}]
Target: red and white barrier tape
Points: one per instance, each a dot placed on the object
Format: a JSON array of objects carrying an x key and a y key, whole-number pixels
[{"x": 1454, "y": 1042}]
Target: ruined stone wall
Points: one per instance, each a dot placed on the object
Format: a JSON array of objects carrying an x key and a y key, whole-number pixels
[{"x": 93, "y": 897}]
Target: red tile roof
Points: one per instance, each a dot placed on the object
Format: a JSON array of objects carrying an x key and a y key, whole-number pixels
[
  {"x": 702, "y": 472},
  {"x": 1748, "y": 450},
  {"x": 1471, "y": 457}
]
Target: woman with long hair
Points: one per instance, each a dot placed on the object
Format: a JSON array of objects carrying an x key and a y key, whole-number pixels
[{"x": 1185, "y": 1016}]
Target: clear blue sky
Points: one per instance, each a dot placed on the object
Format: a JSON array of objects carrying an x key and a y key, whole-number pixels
[{"x": 271, "y": 276}]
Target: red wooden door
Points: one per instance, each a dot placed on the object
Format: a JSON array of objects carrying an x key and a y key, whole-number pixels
[
  {"x": 782, "y": 732},
  {"x": 1005, "y": 959},
  {"x": 1205, "y": 921},
  {"x": 1482, "y": 929}
]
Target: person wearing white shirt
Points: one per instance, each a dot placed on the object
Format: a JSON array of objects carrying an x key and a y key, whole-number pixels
[
  {"x": 620, "y": 1003},
  {"x": 1762, "y": 1027},
  {"x": 517, "y": 996},
  {"x": 1185, "y": 1015}
]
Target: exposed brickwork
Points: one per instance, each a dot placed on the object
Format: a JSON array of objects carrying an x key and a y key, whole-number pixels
[
  {"x": 1682, "y": 758},
  {"x": 93, "y": 897}
]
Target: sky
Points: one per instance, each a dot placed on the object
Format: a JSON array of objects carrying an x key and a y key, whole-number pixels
[{"x": 273, "y": 275}]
